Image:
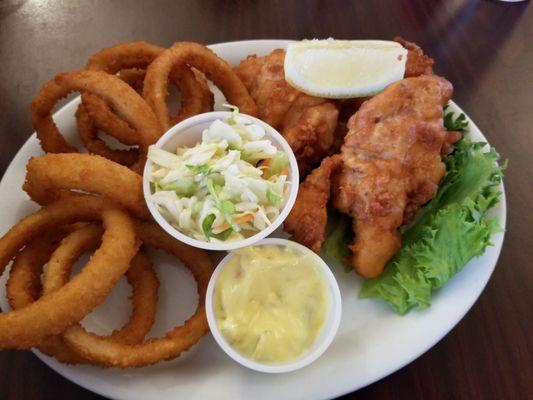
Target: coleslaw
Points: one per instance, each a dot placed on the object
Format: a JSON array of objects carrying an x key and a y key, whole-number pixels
[{"x": 230, "y": 186}]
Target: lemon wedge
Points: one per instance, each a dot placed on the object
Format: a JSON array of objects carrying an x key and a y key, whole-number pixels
[{"x": 340, "y": 69}]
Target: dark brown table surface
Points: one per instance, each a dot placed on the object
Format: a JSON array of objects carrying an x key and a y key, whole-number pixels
[{"x": 484, "y": 47}]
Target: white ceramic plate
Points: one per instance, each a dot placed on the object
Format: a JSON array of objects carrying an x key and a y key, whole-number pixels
[{"x": 372, "y": 341}]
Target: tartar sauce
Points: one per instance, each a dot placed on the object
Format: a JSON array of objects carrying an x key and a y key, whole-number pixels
[{"x": 271, "y": 302}]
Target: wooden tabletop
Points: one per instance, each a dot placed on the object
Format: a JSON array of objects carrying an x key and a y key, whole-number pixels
[{"x": 484, "y": 47}]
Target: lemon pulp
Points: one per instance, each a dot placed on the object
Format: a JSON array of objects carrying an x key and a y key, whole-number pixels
[{"x": 344, "y": 68}]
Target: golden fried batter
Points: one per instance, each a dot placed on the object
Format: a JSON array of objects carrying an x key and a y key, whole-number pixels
[
  {"x": 417, "y": 62},
  {"x": 307, "y": 220},
  {"x": 391, "y": 165},
  {"x": 307, "y": 123}
]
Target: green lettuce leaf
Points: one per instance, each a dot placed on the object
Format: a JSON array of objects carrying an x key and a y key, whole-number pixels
[
  {"x": 446, "y": 234},
  {"x": 471, "y": 174},
  {"x": 207, "y": 225},
  {"x": 338, "y": 236},
  {"x": 459, "y": 124}
]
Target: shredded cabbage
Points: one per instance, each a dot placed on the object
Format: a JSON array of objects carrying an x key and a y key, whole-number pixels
[{"x": 227, "y": 187}]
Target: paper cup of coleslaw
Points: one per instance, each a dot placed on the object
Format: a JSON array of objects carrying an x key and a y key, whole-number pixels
[{"x": 204, "y": 185}]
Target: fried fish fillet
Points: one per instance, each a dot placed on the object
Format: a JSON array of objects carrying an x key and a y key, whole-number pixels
[
  {"x": 417, "y": 62},
  {"x": 391, "y": 165},
  {"x": 307, "y": 220},
  {"x": 308, "y": 123}
]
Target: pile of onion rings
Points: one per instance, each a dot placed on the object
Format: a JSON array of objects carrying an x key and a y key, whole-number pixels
[
  {"x": 124, "y": 92},
  {"x": 47, "y": 315},
  {"x": 93, "y": 203}
]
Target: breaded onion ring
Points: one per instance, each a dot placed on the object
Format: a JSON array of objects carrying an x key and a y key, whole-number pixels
[
  {"x": 174, "y": 342},
  {"x": 140, "y": 275},
  {"x": 133, "y": 77},
  {"x": 24, "y": 285},
  {"x": 200, "y": 57},
  {"x": 122, "y": 98},
  {"x": 136, "y": 54},
  {"x": 47, "y": 175},
  {"x": 95, "y": 115},
  {"x": 102, "y": 115},
  {"x": 88, "y": 133},
  {"x": 196, "y": 97},
  {"x": 50, "y": 315}
]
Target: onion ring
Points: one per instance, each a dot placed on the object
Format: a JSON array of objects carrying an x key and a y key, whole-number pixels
[
  {"x": 196, "y": 97},
  {"x": 133, "y": 77},
  {"x": 104, "y": 118},
  {"x": 48, "y": 176},
  {"x": 107, "y": 121},
  {"x": 24, "y": 285},
  {"x": 178, "y": 340},
  {"x": 50, "y": 315},
  {"x": 88, "y": 133},
  {"x": 124, "y": 100},
  {"x": 200, "y": 57},
  {"x": 94, "y": 114},
  {"x": 140, "y": 275},
  {"x": 136, "y": 54}
]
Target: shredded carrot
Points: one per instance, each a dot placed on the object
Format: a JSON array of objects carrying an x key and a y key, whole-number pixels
[
  {"x": 284, "y": 171},
  {"x": 264, "y": 163},
  {"x": 239, "y": 220}
]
